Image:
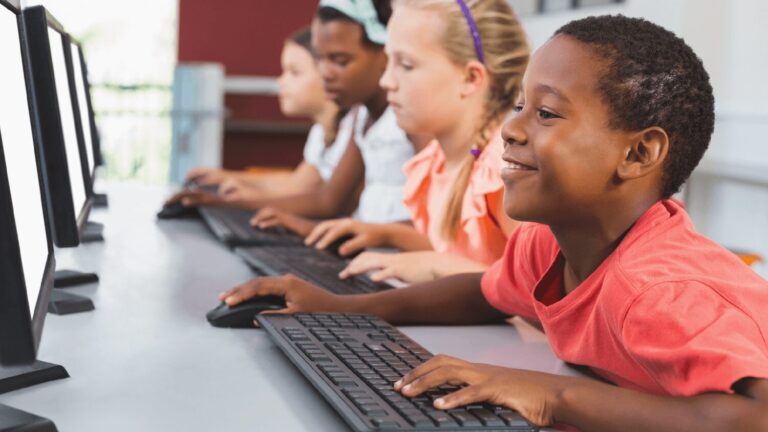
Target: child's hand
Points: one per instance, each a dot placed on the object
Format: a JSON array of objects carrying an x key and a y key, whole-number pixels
[
  {"x": 300, "y": 295},
  {"x": 236, "y": 190},
  {"x": 196, "y": 198},
  {"x": 409, "y": 267},
  {"x": 207, "y": 176},
  {"x": 363, "y": 235},
  {"x": 532, "y": 394},
  {"x": 269, "y": 217}
]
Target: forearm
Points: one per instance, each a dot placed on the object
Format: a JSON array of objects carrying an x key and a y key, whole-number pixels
[
  {"x": 453, "y": 300},
  {"x": 595, "y": 406},
  {"x": 447, "y": 264},
  {"x": 405, "y": 237},
  {"x": 312, "y": 205},
  {"x": 304, "y": 179}
]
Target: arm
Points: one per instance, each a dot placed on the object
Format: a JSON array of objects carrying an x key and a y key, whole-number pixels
[
  {"x": 411, "y": 267},
  {"x": 363, "y": 235},
  {"x": 305, "y": 178},
  {"x": 453, "y": 300},
  {"x": 589, "y": 405},
  {"x": 334, "y": 197},
  {"x": 582, "y": 403},
  {"x": 331, "y": 199}
]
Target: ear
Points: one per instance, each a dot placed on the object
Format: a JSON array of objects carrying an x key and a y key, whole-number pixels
[
  {"x": 645, "y": 153},
  {"x": 475, "y": 78}
]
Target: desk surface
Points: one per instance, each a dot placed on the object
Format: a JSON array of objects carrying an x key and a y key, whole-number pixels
[{"x": 147, "y": 360}]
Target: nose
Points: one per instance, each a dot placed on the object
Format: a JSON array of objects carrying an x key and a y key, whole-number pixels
[
  {"x": 387, "y": 81},
  {"x": 513, "y": 132},
  {"x": 327, "y": 71}
]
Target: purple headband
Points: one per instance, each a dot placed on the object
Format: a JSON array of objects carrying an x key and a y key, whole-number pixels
[{"x": 473, "y": 30}]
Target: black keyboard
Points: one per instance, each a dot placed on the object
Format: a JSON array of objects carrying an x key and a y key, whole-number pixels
[
  {"x": 232, "y": 226},
  {"x": 354, "y": 360},
  {"x": 320, "y": 267}
]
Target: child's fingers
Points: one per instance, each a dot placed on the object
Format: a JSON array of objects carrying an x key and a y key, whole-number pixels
[
  {"x": 424, "y": 368},
  {"x": 363, "y": 263},
  {"x": 445, "y": 374},
  {"x": 176, "y": 197},
  {"x": 464, "y": 396},
  {"x": 239, "y": 293},
  {"x": 355, "y": 244},
  {"x": 262, "y": 215},
  {"x": 256, "y": 287},
  {"x": 386, "y": 273},
  {"x": 318, "y": 232},
  {"x": 337, "y": 230}
]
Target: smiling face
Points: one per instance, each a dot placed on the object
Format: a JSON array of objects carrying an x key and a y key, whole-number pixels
[
  {"x": 350, "y": 68},
  {"x": 301, "y": 88},
  {"x": 561, "y": 156},
  {"x": 423, "y": 85}
]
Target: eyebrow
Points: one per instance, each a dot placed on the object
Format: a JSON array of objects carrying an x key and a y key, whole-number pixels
[{"x": 552, "y": 90}]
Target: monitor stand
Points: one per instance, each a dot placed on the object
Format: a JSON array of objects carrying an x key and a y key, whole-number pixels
[
  {"x": 26, "y": 375},
  {"x": 64, "y": 303},
  {"x": 92, "y": 232},
  {"x": 100, "y": 200},
  {"x": 14, "y": 420},
  {"x": 70, "y": 278}
]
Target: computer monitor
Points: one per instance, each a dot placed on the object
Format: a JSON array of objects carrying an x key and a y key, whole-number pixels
[
  {"x": 65, "y": 158},
  {"x": 26, "y": 254},
  {"x": 78, "y": 86}
]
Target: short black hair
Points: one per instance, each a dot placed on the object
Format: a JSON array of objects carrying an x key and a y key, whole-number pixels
[
  {"x": 652, "y": 78},
  {"x": 383, "y": 13}
]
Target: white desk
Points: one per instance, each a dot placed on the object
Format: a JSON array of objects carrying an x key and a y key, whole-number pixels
[{"x": 147, "y": 360}]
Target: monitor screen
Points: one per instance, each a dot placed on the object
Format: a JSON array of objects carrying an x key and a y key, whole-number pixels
[
  {"x": 67, "y": 120},
  {"x": 19, "y": 148},
  {"x": 82, "y": 101}
]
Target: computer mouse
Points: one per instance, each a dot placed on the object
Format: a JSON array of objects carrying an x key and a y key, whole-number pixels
[
  {"x": 241, "y": 315},
  {"x": 176, "y": 211}
]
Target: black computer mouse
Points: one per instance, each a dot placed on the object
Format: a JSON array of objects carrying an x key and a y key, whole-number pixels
[
  {"x": 241, "y": 315},
  {"x": 176, "y": 211}
]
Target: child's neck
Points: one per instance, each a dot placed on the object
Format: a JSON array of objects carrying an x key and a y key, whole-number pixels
[
  {"x": 326, "y": 118},
  {"x": 457, "y": 142},
  {"x": 590, "y": 239},
  {"x": 376, "y": 106}
]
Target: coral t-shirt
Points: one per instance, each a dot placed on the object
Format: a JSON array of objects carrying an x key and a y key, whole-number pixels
[
  {"x": 668, "y": 312},
  {"x": 480, "y": 237}
]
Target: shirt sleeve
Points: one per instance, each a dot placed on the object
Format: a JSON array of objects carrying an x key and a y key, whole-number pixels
[
  {"x": 509, "y": 283},
  {"x": 313, "y": 148},
  {"x": 692, "y": 340}
]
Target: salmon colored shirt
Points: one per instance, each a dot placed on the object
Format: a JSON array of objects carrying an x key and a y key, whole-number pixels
[
  {"x": 668, "y": 312},
  {"x": 427, "y": 186}
]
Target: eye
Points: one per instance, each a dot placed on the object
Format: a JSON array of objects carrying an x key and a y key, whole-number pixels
[
  {"x": 546, "y": 115},
  {"x": 518, "y": 108},
  {"x": 404, "y": 64}
]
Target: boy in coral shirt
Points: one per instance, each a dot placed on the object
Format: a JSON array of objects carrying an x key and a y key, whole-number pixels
[{"x": 614, "y": 115}]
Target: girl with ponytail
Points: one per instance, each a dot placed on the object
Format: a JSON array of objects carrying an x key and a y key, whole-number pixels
[{"x": 454, "y": 72}]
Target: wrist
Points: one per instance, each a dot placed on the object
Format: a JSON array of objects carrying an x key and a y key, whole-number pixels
[{"x": 562, "y": 397}]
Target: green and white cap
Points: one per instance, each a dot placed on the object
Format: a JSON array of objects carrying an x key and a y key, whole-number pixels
[{"x": 362, "y": 12}]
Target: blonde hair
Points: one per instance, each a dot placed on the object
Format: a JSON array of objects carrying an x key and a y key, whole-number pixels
[{"x": 506, "y": 53}]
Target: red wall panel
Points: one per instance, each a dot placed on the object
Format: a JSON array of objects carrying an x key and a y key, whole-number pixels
[{"x": 246, "y": 36}]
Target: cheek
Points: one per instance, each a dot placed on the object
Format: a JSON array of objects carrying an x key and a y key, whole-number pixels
[{"x": 579, "y": 170}]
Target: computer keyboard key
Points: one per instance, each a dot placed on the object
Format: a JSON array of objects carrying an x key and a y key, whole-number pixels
[
  {"x": 464, "y": 418},
  {"x": 384, "y": 424},
  {"x": 487, "y": 417},
  {"x": 512, "y": 418}
]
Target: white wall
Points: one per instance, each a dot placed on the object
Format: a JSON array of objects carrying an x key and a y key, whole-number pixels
[{"x": 731, "y": 37}]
